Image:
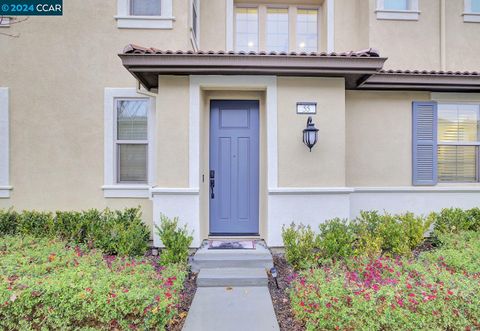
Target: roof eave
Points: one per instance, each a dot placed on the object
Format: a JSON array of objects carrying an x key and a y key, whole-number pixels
[
  {"x": 352, "y": 68},
  {"x": 422, "y": 82}
]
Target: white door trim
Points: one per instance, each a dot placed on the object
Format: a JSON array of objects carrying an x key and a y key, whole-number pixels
[{"x": 266, "y": 83}]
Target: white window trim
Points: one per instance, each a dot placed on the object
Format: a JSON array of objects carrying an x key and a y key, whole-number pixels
[
  {"x": 127, "y": 21},
  {"x": 5, "y": 187},
  {"x": 112, "y": 189},
  {"x": 412, "y": 14},
  {"x": 468, "y": 15},
  {"x": 195, "y": 39}
]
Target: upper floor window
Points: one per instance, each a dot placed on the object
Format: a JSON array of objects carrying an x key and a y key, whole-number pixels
[
  {"x": 246, "y": 20},
  {"x": 307, "y": 30},
  {"x": 472, "y": 11},
  {"x": 145, "y": 14},
  {"x": 395, "y": 4},
  {"x": 277, "y": 30},
  {"x": 458, "y": 142},
  {"x": 397, "y": 10},
  {"x": 145, "y": 7}
]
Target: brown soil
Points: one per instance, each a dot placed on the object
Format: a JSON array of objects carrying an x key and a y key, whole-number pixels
[
  {"x": 186, "y": 298},
  {"x": 280, "y": 298}
]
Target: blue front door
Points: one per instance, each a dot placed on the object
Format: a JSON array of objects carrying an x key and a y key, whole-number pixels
[{"x": 234, "y": 163}]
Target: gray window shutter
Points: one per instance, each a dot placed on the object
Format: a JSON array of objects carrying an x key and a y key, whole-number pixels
[{"x": 425, "y": 143}]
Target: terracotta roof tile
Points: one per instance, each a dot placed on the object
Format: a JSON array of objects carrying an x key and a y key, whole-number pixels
[
  {"x": 430, "y": 72},
  {"x": 135, "y": 49}
]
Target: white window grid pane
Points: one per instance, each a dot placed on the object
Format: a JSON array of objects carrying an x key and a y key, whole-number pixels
[
  {"x": 132, "y": 119},
  {"x": 307, "y": 30},
  {"x": 277, "y": 30},
  {"x": 475, "y": 6},
  {"x": 395, "y": 4},
  {"x": 131, "y": 140},
  {"x": 246, "y": 29},
  {"x": 132, "y": 163},
  {"x": 458, "y": 143},
  {"x": 145, "y": 7}
]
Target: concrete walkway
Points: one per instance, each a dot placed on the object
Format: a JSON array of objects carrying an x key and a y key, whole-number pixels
[
  {"x": 232, "y": 291},
  {"x": 230, "y": 309}
]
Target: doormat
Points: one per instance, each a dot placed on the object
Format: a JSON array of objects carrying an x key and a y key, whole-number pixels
[{"x": 224, "y": 244}]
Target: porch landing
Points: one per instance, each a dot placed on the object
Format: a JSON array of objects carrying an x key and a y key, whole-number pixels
[{"x": 232, "y": 290}]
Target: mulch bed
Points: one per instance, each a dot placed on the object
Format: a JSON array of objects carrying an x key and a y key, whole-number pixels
[
  {"x": 186, "y": 298},
  {"x": 280, "y": 298}
]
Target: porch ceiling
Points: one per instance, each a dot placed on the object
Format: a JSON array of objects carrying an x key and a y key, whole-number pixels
[{"x": 145, "y": 64}]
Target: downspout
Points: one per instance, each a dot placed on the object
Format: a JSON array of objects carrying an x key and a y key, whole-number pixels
[
  {"x": 144, "y": 92},
  {"x": 443, "y": 48}
]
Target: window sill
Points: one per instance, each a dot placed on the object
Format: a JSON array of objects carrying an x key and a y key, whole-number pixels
[
  {"x": 138, "y": 191},
  {"x": 144, "y": 22},
  {"x": 5, "y": 191},
  {"x": 397, "y": 15},
  {"x": 471, "y": 17},
  {"x": 5, "y": 22}
]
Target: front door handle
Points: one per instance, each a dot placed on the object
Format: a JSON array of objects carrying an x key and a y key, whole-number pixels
[{"x": 212, "y": 184}]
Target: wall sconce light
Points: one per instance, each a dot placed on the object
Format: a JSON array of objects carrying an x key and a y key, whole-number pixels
[{"x": 310, "y": 134}]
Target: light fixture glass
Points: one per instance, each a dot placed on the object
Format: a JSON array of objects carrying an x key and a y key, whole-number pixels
[{"x": 310, "y": 134}]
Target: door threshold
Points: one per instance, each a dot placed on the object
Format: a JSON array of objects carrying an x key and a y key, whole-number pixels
[{"x": 234, "y": 236}]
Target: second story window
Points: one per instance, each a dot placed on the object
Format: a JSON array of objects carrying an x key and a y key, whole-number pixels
[
  {"x": 406, "y": 10},
  {"x": 475, "y": 6},
  {"x": 145, "y": 7},
  {"x": 307, "y": 30},
  {"x": 277, "y": 30},
  {"x": 246, "y": 20},
  {"x": 395, "y": 4},
  {"x": 472, "y": 11}
]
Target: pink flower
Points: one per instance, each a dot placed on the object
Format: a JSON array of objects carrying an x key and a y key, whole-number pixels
[
  {"x": 375, "y": 287},
  {"x": 329, "y": 305}
]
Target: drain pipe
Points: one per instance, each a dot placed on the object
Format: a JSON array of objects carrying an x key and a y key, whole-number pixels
[{"x": 144, "y": 92}]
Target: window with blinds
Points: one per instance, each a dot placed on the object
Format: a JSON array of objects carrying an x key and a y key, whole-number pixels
[
  {"x": 145, "y": 7},
  {"x": 246, "y": 38},
  {"x": 458, "y": 142},
  {"x": 307, "y": 30},
  {"x": 132, "y": 140}
]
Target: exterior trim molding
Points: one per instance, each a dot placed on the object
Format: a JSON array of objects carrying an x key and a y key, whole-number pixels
[
  {"x": 5, "y": 187},
  {"x": 111, "y": 189},
  {"x": 127, "y": 21},
  {"x": 330, "y": 25},
  {"x": 267, "y": 83},
  {"x": 392, "y": 189},
  {"x": 229, "y": 25},
  {"x": 173, "y": 191},
  {"x": 471, "y": 17}
]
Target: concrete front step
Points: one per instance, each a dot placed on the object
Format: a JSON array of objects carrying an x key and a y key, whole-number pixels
[
  {"x": 205, "y": 258},
  {"x": 232, "y": 277}
]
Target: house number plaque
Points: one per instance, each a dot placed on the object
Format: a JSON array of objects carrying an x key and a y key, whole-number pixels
[{"x": 306, "y": 107}]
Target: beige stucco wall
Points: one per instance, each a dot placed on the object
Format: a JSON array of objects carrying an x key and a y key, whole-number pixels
[
  {"x": 213, "y": 25},
  {"x": 351, "y": 25},
  {"x": 462, "y": 39},
  {"x": 379, "y": 137},
  {"x": 57, "y": 71},
  {"x": 297, "y": 167}
]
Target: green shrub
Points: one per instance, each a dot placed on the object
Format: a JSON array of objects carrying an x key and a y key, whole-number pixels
[
  {"x": 35, "y": 223},
  {"x": 122, "y": 232},
  {"x": 393, "y": 236},
  {"x": 451, "y": 220},
  {"x": 114, "y": 232},
  {"x": 474, "y": 215},
  {"x": 45, "y": 284},
  {"x": 369, "y": 242},
  {"x": 176, "y": 240},
  {"x": 335, "y": 239},
  {"x": 414, "y": 228},
  {"x": 299, "y": 242},
  {"x": 8, "y": 222}
]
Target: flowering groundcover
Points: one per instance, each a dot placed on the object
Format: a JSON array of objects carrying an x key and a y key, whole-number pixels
[
  {"x": 440, "y": 290},
  {"x": 46, "y": 284}
]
